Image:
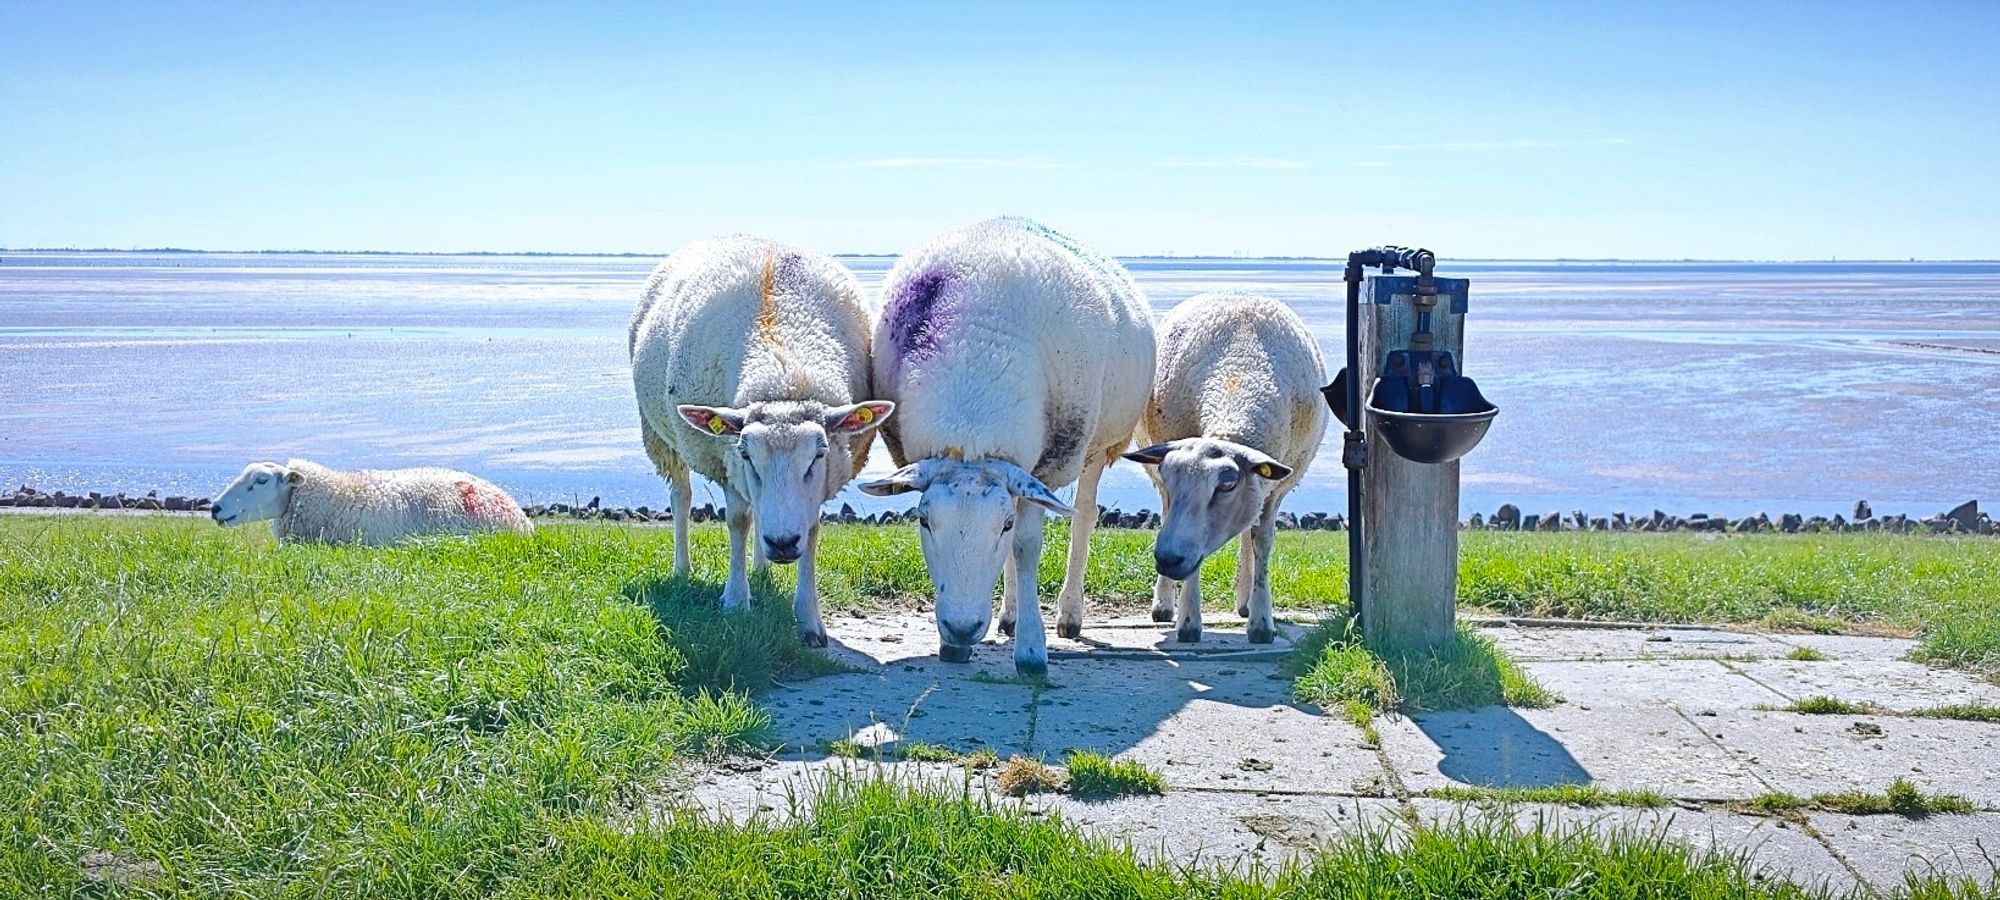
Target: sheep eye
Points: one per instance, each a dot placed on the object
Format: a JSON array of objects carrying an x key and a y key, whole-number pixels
[
  {"x": 1226, "y": 483},
  {"x": 1007, "y": 527},
  {"x": 923, "y": 521},
  {"x": 263, "y": 478}
]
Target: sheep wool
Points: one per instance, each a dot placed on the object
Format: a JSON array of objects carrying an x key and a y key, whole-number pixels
[{"x": 377, "y": 507}]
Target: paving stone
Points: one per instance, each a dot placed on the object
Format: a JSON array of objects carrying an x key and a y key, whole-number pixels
[
  {"x": 930, "y": 702},
  {"x": 1893, "y": 684},
  {"x": 1882, "y": 848},
  {"x": 1694, "y": 685},
  {"x": 1527, "y": 643},
  {"x": 1773, "y": 845},
  {"x": 1617, "y": 748},
  {"x": 1804, "y": 754},
  {"x": 1226, "y": 831}
]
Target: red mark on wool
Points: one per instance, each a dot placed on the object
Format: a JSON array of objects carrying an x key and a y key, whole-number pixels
[{"x": 481, "y": 503}]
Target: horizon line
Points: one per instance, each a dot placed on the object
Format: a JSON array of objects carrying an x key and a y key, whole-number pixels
[{"x": 873, "y": 255}]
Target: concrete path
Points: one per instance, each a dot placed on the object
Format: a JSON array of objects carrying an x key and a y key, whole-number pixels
[{"x": 1253, "y": 775}]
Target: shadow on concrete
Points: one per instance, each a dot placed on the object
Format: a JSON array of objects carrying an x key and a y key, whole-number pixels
[{"x": 1492, "y": 746}]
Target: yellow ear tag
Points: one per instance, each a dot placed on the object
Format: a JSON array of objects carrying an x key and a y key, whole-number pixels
[
  {"x": 864, "y": 415},
  {"x": 716, "y": 424},
  {"x": 1264, "y": 469}
]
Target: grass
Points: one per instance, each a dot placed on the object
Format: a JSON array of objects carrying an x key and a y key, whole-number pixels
[
  {"x": 1807, "y": 654},
  {"x": 1094, "y": 776},
  {"x": 1571, "y": 794},
  {"x": 1332, "y": 669},
  {"x": 875, "y": 840},
  {"x": 1901, "y": 798},
  {"x": 1021, "y": 776},
  {"x": 1834, "y": 706}
]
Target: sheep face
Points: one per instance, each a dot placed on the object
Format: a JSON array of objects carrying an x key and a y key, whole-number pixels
[
  {"x": 1215, "y": 489},
  {"x": 256, "y": 495},
  {"x": 784, "y": 454},
  {"x": 965, "y": 523}
]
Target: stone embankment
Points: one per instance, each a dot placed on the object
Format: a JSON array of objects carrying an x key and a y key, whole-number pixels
[{"x": 1965, "y": 518}]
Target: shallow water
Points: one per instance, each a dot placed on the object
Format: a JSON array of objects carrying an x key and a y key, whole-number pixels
[{"x": 1720, "y": 388}]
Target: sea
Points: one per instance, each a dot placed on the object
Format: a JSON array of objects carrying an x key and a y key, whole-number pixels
[{"x": 1719, "y": 388}]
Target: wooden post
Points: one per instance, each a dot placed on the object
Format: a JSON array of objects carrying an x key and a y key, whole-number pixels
[{"x": 1409, "y": 554}]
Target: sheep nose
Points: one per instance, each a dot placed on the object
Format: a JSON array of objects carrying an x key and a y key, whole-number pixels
[
  {"x": 782, "y": 549},
  {"x": 1172, "y": 565},
  {"x": 962, "y": 634}
]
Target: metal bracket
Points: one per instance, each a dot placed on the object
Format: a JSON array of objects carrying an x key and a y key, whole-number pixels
[{"x": 1354, "y": 450}]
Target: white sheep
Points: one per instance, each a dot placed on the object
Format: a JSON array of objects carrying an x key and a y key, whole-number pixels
[
  {"x": 306, "y": 501},
  {"x": 1019, "y": 361},
  {"x": 750, "y": 365},
  {"x": 1234, "y": 421}
]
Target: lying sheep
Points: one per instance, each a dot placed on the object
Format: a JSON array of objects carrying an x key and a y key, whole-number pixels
[
  {"x": 308, "y": 502},
  {"x": 1235, "y": 419},
  {"x": 750, "y": 365},
  {"x": 1020, "y": 362}
]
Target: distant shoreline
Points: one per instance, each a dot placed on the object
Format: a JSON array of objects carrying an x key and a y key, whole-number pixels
[{"x": 544, "y": 254}]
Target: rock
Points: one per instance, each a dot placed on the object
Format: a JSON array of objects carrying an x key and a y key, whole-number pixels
[
  {"x": 847, "y": 513},
  {"x": 1581, "y": 521},
  {"x": 148, "y": 502},
  {"x": 1966, "y": 515},
  {"x": 1789, "y": 523},
  {"x": 1107, "y": 518},
  {"x": 202, "y": 504},
  {"x": 1530, "y": 523},
  {"x": 1551, "y": 521},
  {"x": 1600, "y": 524},
  {"x": 1288, "y": 521},
  {"x": 1862, "y": 510},
  {"x": 65, "y": 501},
  {"x": 174, "y": 504},
  {"x": 1659, "y": 520},
  {"x": 1507, "y": 517},
  {"x": 119, "y": 503},
  {"x": 592, "y": 505},
  {"x": 1477, "y": 521}
]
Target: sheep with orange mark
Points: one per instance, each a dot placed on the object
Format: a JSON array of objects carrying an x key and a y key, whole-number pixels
[
  {"x": 750, "y": 365},
  {"x": 308, "y": 502},
  {"x": 1235, "y": 418}
]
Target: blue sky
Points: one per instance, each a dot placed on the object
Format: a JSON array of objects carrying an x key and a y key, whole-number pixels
[{"x": 1645, "y": 130}]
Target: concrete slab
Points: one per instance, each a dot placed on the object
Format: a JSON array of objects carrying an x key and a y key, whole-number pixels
[
  {"x": 1772, "y": 845},
  {"x": 1850, "y": 646},
  {"x": 1692, "y": 684},
  {"x": 1802, "y": 754},
  {"x": 930, "y": 702},
  {"x": 1616, "y": 747},
  {"x": 1141, "y": 636},
  {"x": 1893, "y": 684},
  {"x": 1633, "y": 643},
  {"x": 1226, "y": 831},
  {"x": 1882, "y": 848}
]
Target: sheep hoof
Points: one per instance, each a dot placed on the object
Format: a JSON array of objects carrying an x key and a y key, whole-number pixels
[
  {"x": 1262, "y": 633},
  {"x": 1243, "y": 612},
  {"x": 813, "y": 638},
  {"x": 1007, "y": 627},
  {"x": 1163, "y": 615},
  {"x": 1188, "y": 634},
  {"x": 1036, "y": 669},
  {"x": 1071, "y": 630}
]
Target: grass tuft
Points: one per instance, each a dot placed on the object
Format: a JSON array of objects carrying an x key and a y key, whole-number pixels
[
  {"x": 1572, "y": 794},
  {"x": 1332, "y": 669},
  {"x": 1965, "y": 712},
  {"x": 1358, "y": 713},
  {"x": 1834, "y": 706},
  {"x": 1807, "y": 654},
  {"x": 922, "y": 752},
  {"x": 1901, "y": 798},
  {"x": 1823, "y": 705},
  {"x": 1094, "y": 776},
  {"x": 1022, "y": 776}
]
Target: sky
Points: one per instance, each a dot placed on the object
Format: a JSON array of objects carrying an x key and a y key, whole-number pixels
[{"x": 1500, "y": 130}]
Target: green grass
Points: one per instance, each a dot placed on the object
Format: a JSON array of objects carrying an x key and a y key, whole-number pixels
[
  {"x": 1834, "y": 706},
  {"x": 1571, "y": 794},
  {"x": 1332, "y": 669},
  {"x": 874, "y": 840},
  {"x": 1901, "y": 798},
  {"x": 1359, "y": 714},
  {"x": 1807, "y": 654},
  {"x": 1094, "y": 776}
]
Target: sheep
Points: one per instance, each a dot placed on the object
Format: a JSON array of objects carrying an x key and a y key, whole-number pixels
[
  {"x": 750, "y": 366},
  {"x": 1235, "y": 418},
  {"x": 1020, "y": 362},
  {"x": 308, "y": 502}
]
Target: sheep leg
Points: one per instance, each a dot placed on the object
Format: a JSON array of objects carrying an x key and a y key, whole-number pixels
[
  {"x": 1261, "y": 628},
  {"x": 736, "y": 592},
  {"x": 671, "y": 468},
  {"x": 805, "y": 601},
  {"x": 1069, "y": 604},
  {"x": 759, "y": 563},
  {"x": 1163, "y": 587},
  {"x": 1187, "y": 619},
  {"x": 1246, "y": 572},
  {"x": 1009, "y": 584},
  {"x": 1031, "y": 644}
]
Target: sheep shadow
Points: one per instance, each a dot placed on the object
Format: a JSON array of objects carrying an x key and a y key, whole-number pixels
[{"x": 1493, "y": 746}]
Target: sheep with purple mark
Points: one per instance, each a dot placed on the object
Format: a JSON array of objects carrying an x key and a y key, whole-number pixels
[
  {"x": 750, "y": 365},
  {"x": 1019, "y": 362},
  {"x": 1235, "y": 418}
]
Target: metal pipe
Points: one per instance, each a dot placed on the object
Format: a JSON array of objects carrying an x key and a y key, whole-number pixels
[{"x": 1354, "y": 450}]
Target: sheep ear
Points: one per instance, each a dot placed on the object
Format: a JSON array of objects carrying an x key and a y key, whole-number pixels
[
  {"x": 716, "y": 420},
  {"x": 294, "y": 477},
  {"x": 1151, "y": 456},
  {"x": 858, "y": 417},
  {"x": 1031, "y": 489},
  {"x": 902, "y": 481}
]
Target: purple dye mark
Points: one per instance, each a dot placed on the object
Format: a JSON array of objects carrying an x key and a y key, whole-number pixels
[{"x": 915, "y": 325}]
